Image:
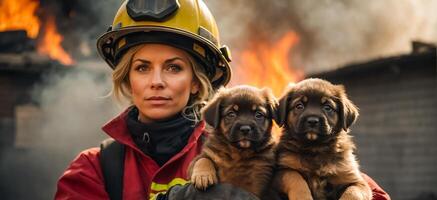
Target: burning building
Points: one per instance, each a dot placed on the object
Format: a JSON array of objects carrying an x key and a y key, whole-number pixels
[
  {"x": 28, "y": 49},
  {"x": 39, "y": 83}
]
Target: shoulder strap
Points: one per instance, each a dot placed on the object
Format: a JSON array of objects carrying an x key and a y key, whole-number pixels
[{"x": 112, "y": 164}]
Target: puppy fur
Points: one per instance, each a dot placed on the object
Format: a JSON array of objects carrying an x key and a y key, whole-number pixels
[
  {"x": 239, "y": 149},
  {"x": 315, "y": 152}
]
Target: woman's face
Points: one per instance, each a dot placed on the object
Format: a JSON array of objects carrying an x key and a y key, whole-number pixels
[{"x": 161, "y": 81}]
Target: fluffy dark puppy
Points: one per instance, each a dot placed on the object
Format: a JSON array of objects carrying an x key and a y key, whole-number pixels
[
  {"x": 315, "y": 152},
  {"x": 239, "y": 148}
]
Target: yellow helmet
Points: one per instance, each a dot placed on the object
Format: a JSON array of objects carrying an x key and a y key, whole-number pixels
[{"x": 185, "y": 24}]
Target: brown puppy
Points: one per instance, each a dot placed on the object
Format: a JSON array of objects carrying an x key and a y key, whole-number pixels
[
  {"x": 239, "y": 149},
  {"x": 315, "y": 152}
]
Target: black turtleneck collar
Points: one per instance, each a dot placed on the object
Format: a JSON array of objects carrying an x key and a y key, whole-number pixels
[{"x": 160, "y": 140}]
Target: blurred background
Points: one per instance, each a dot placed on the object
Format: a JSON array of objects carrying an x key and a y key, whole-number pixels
[{"x": 53, "y": 86}]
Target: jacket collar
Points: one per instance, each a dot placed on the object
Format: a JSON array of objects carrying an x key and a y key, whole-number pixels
[{"x": 117, "y": 129}]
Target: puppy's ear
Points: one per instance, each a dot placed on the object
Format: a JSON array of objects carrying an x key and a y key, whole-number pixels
[
  {"x": 272, "y": 103},
  {"x": 348, "y": 110},
  {"x": 283, "y": 105},
  {"x": 211, "y": 112},
  {"x": 282, "y": 110}
]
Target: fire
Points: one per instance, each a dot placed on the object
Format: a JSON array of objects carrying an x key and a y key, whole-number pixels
[
  {"x": 50, "y": 44},
  {"x": 267, "y": 65},
  {"x": 21, "y": 15}
]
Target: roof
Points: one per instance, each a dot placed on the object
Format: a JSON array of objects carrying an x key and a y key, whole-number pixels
[{"x": 422, "y": 53}]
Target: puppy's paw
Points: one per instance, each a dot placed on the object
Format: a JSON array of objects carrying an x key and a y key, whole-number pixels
[
  {"x": 295, "y": 186},
  {"x": 203, "y": 174}
]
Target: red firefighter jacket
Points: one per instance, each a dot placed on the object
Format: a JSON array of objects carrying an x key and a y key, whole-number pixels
[{"x": 143, "y": 178}]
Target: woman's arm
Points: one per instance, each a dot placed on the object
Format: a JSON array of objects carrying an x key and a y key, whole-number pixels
[
  {"x": 83, "y": 178},
  {"x": 378, "y": 192}
]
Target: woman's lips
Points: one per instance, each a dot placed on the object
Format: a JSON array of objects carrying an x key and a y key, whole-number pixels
[{"x": 158, "y": 100}]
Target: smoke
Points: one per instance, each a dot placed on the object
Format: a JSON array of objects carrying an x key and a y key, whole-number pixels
[
  {"x": 70, "y": 109},
  {"x": 74, "y": 105},
  {"x": 332, "y": 33}
]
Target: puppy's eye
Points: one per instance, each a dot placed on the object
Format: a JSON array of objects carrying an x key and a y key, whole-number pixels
[
  {"x": 299, "y": 106},
  {"x": 259, "y": 115},
  {"x": 328, "y": 108},
  {"x": 231, "y": 114}
]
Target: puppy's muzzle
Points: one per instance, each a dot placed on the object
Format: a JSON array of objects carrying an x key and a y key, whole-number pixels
[
  {"x": 311, "y": 123},
  {"x": 312, "y": 128},
  {"x": 244, "y": 135}
]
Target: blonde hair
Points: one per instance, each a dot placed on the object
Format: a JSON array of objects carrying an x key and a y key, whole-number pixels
[{"x": 121, "y": 86}]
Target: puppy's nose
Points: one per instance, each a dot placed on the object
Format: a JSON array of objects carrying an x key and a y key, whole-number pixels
[
  {"x": 245, "y": 129},
  {"x": 312, "y": 121}
]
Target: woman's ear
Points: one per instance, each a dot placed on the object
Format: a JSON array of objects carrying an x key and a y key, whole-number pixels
[{"x": 195, "y": 87}]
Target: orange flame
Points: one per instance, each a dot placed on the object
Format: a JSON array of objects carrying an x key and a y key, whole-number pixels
[
  {"x": 267, "y": 65},
  {"x": 50, "y": 44},
  {"x": 19, "y": 15}
]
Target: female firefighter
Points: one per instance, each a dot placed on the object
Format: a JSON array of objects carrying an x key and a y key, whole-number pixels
[{"x": 167, "y": 60}]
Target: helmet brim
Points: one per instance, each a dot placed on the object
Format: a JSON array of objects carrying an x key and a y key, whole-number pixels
[{"x": 106, "y": 49}]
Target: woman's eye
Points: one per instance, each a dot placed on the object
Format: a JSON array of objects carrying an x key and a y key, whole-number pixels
[
  {"x": 328, "y": 108},
  {"x": 259, "y": 115},
  {"x": 231, "y": 114},
  {"x": 174, "y": 68},
  {"x": 141, "y": 68},
  {"x": 299, "y": 106}
]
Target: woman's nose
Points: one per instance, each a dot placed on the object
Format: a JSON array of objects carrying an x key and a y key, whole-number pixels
[{"x": 157, "y": 81}]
